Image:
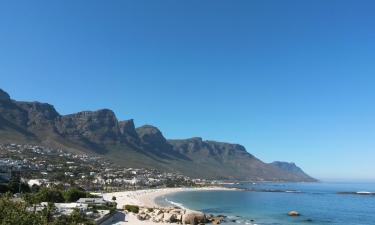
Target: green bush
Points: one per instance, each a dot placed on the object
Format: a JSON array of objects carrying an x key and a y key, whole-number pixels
[
  {"x": 16, "y": 187},
  {"x": 132, "y": 208},
  {"x": 50, "y": 195},
  {"x": 16, "y": 213},
  {"x": 73, "y": 194}
]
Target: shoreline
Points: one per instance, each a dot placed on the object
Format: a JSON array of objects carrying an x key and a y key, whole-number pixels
[{"x": 147, "y": 198}]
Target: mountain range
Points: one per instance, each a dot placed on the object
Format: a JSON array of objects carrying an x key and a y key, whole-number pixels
[{"x": 100, "y": 132}]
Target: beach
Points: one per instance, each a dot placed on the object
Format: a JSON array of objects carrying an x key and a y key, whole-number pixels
[{"x": 146, "y": 198}]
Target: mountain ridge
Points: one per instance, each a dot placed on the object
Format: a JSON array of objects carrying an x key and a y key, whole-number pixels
[{"x": 100, "y": 132}]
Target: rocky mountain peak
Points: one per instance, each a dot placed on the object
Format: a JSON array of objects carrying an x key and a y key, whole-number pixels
[
  {"x": 41, "y": 110},
  {"x": 4, "y": 96},
  {"x": 40, "y": 116},
  {"x": 101, "y": 113},
  {"x": 102, "y": 117},
  {"x": 127, "y": 127},
  {"x": 128, "y": 132},
  {"x": 195, "y": 139},
  {"x": 284, "y": 164},
  {"x": 151, "y": 135},
  {"x": 148, "y": 130},
  {"x": 210, "y": 148},
  {"x": 99, "y": 126}
]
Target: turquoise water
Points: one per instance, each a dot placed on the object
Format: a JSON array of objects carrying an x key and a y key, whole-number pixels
[{"x": 269, "y": 203}]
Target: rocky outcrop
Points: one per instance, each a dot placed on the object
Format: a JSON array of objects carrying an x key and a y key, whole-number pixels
[
  {"x": 177, "y": 215},
  {"x": 219, "y": 219},
  {"x": 194, "y": 218},
  {"x": 40, "y": 116},
  {"x": 100, "y": 127},
  {"x": 151, "y": 137},
  {"x": 293, "y": 213},
  {"x": 154, "y": 143},
  {"x": 27, "y": 115},
  {"x": 13, "y": 114},
  {"x": 210, "y": 148},
  {"x": 4, "y": 96},
  {"x": 128, "y": 132},
  {"x": 127, "y": 128}
]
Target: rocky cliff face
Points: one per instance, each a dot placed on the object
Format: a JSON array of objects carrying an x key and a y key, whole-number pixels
[
  {"x": 128, "y": 132},
  {"x": 91, "y": 129},
  {"x": 100, "y": 127},
  {"x": 4, "y": 96},
  {"x": 154, "y": 143},
  {"x": 100, "y": 132},
  {"x": 151, "y": 137},
  {"x": 229, "y": 161},
  {"x": 209, "y": 148},
  {"x": 127, "y": 128},
  {"x": 40, "y": 116},
  {"x": 14, "y": 114}
]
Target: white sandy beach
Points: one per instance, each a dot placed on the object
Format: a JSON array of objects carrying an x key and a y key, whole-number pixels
[{"x": 146, "y": 198}]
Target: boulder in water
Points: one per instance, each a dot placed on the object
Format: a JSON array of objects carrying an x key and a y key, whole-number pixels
[
  {"x": 293, "y": 213},
  {"x": 194, "y": 218}
]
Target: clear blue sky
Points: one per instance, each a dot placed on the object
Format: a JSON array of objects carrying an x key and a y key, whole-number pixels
[{"x": 290, "y": 80}]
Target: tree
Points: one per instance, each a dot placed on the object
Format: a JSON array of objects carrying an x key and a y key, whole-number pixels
[
  {"x": 35, "y": 188},
  {"x": 73, "y": 194},
  {"x": 47, "y": 212},
  {"x": 15, "y": 213},
  {"x": 50, "y": 195},
  {"x": 31, "y": 200},
  {"x": 15, "y": 186}
]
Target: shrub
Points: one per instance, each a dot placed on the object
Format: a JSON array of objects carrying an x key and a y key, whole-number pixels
[
  {"x": 50, "y": 195},
  {"x": 16, "y": 187},
  {"x": 16, "y": 213},
  {"x": 73, "y": 194},
  {"x": 132, "y": 208}
]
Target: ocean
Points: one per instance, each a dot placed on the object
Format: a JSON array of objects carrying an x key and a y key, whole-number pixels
[{"x": 268, "y": 203}]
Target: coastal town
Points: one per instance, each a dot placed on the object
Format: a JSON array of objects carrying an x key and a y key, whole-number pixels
[
  {"x": 65, "y": 185},
  {"x": 42, "y": 166}
]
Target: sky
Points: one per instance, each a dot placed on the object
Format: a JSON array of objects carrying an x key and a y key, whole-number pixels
[{"x": 290, "y": 80}]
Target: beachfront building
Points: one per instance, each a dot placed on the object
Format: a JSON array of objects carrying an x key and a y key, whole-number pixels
[
  {"x": 68, "y": 208},
  {"x": 61, "y": 208},
  {"x": 92, "y": 201}
]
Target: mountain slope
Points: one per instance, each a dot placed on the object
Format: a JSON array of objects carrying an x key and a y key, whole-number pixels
[
  {"x": 99, "y": 132},
  {"x": 229, "y": 161},
  {"x": 290, "y": 168}
]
